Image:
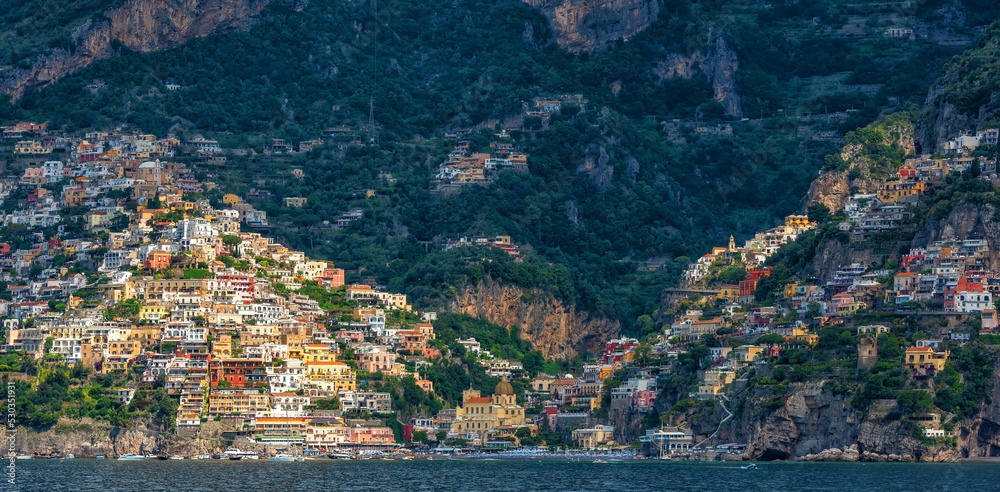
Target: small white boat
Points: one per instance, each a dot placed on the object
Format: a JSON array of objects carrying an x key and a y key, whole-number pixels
[
  {"x": 132, "y": 457},
  {"x": 176, "y": 457},
  {"x": 25, "y": 457},
  {"x": 338, "y": 456},
  {"x": 281, "y": 458},
  {"x": 600, "y": 461},
  {"x": 237, "y": 454},
  {"x": 69, "y": 456},
  {"x": 99, "y": 457},
  {"x": 751, "y": 466}
]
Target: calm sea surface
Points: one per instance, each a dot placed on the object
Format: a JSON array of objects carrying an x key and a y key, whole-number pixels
[{"x": 414, "y": 476}]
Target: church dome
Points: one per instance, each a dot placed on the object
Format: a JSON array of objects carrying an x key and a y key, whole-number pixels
[{"x": 503, "y": 388}]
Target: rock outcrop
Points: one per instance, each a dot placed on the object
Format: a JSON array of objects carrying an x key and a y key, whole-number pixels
[
  {"x": 722, "y": 65},
  {"x": 964, "y": 97},
  {"x": 966, "y": 220},
  {"x": 86, "y": 438},
  {"x": 812, "y": 424},
  {"x": 556, "y": 329},
  {"x": 865, "y": 171},
  {"x": 591, "y": 25},
  {"x": 718, "y": 64},
  {"x": 981, "y": 437},
  {"x": 141, "y": 25},
  {"x": 831, "y": 189}
]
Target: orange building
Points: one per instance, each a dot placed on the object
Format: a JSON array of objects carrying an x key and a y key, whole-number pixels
[{"x": 157, "y": 260}]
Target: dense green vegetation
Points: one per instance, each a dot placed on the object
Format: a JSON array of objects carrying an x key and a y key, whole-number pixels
[
  {"x": 608, "y": 187},
  {"x": 970, "y": 80},
  {"x": 29, "y": 29},
  {"x": 75, "y": 392}
]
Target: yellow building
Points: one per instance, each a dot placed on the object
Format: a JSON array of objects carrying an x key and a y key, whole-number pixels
[
  {"x": 222, "y": 346},
  {"x": 896, "y": 190},
  {"x": 154, "y": 312},
  {"x": 75, "y": 196},
  {"x": 924, "y": 360},
  {"x": 600, "y": 435},
  {"x": 791, "y": 289},
  {"x": 339, "y": 374},
  {"x": 479, "y": 415},
  {"x": 748, "y": 353},
  {"x": 851, "y": 308},
  {"x": 810, "y": 339},
  {"x": 715, "y": 382},
  {"x": 242, "y": 402},
  {"x": 317, "y": 352},
  {"x": 798, "y": 221},
  {"x": 183, "y": 206},
  {"x": 730, "y": 292}
]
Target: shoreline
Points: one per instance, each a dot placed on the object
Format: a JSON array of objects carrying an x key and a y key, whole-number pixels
[{"x": 979, "y": 459}]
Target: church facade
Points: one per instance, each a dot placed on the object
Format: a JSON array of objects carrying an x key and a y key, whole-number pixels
[{"x": 480, "y": 417}]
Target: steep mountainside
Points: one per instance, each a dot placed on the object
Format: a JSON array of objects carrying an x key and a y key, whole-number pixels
[
  {"x": 965, "y": 96},
  {"x": 811, "y": 423},
  {"x": 871, "y": 154},
  {"x": 588, "y": 25},
  {"x": 141, "y": 25},
  {"x": 552, "y": 327},
  {"x": 656, "y": 166}
]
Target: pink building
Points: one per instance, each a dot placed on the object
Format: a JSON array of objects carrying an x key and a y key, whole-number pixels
[
  {"x": 376, "y": 362},
  {"x": 332, "y": 278},
  {"x": 643, "y": 400},
  {"x": 370, "y": 435}
]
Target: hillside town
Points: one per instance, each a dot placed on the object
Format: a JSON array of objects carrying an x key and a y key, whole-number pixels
[
  {"x": 113, "y": 259},
  {"x": 464, "y": 166},
  {"x": 947, "y": 280},
  {"x": 119, "y": 264}
]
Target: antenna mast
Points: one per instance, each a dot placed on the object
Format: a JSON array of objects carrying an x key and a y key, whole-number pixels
[{"x": 372, "y": 131}]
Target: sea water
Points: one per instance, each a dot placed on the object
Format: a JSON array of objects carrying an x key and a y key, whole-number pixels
[{"x": 474, "y": 475}]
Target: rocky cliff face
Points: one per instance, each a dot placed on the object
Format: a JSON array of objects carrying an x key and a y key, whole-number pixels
[
  {"x": 591, "y": 25},
  {"x": 87, "y": 438},
  {"x": 982, "y": 436},
  {"x": 964, "y": 97},
  {"x": 816, "y": 425},
  {"x": 832, "y": 188},
  {"x": 556, "y": 329},
  {"x": 141, "y": 25},
  {"x": 718, "y": 63},
  {"x": 965, "y": 221},
  {"x": 941, "y": 119},
  {"x": 722, "y": 66}
]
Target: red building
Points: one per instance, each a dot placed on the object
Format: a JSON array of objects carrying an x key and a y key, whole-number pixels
[
  {"x": 238, "y": 282},
  {"x": 748, "y": 287},
  {"x": 89, "y": 156},
  {"x": 914, "y": 259},
  {"x": 759, "y": 273},
  {"x": 615, "y": 350},
  {"x": 238, "y": 372},
  {"x": 643, "y": 399}
]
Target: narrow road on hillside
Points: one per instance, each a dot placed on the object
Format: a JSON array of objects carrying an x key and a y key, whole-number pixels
[{"x": 723, "y": 421}]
